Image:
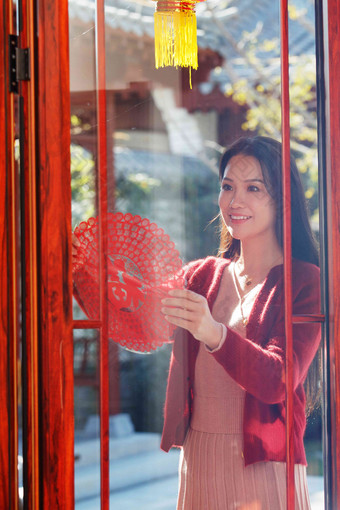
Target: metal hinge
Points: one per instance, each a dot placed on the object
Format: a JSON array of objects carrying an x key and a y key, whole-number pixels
[{"x": 19, "y": 64}]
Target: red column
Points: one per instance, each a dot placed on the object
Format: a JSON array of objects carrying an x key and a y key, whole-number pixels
[
  {"x": 285, "y": 112},
  {"x": 332, "y": 86},
  {"x": 102, "y": 210},
  {"x": 6, "y": 158}
]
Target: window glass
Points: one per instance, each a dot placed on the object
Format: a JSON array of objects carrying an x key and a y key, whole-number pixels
[
  {"x": 86, "y": 416},
  {"x": 164, "y": 144}
]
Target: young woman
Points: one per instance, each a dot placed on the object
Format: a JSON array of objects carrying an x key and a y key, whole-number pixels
[{"x": 225, "y": 403}]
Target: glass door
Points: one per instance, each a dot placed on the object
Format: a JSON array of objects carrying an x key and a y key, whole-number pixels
[
  {"x": 143, "y": 143},
  {"x": 97, "y": 146}
]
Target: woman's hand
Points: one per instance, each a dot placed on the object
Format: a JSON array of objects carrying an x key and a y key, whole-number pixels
[{"x": 190, "y": 311}]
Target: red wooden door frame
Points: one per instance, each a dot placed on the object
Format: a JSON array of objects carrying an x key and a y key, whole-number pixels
[
  {"x": 54, "y": 247},
  {"x": 29, "y": 265},
  {"x": 332, "y": 137},
  {"x": 6, "y": 120},
  {"x": 52, "y": 242},
  {"x": 48, "y": 356}
]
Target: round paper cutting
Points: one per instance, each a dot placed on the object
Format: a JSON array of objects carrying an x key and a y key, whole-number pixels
[{"x": 142, "y": 264}]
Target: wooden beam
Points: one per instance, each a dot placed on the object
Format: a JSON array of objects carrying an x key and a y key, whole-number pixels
[
  {"x": 4, "y": 283},
  {"x": 55, "y": 278},
  {"x": 332, "y": 94}
]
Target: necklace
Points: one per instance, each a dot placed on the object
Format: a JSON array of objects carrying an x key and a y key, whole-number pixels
[
  {"x": 244, "y": 319},
  {"x": 237, "y": 287},
  {"x": 248, "y": 281}
]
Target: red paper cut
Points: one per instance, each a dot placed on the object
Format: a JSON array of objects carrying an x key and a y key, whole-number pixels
[{"x": 142, "y": 265}]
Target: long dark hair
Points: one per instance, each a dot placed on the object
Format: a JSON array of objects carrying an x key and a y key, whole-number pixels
[{"x": 268, "y": 153}]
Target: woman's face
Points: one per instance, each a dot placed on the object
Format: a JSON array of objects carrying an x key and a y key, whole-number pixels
[{"x": 245, "y": 204}]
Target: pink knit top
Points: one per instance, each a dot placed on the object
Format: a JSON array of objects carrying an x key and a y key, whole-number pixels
[{"x": 214, "y": 409}]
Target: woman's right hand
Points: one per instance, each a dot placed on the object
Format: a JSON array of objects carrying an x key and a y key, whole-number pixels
[{"x": 189, "y": 310}]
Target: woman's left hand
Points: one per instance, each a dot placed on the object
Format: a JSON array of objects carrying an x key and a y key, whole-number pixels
[{"x": 190, "y": 311}]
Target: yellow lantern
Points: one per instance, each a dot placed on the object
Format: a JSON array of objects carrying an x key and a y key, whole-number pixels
[{"x": 176, "y": 34}]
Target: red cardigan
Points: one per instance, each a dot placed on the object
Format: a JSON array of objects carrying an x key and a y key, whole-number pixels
[{"x": 256, "y": 362}]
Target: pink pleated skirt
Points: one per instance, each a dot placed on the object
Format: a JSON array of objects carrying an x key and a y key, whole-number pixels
[{"x": 213, "y": 477}]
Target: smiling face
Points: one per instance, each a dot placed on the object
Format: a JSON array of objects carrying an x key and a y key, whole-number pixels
[{"x": 245, "y": 204}]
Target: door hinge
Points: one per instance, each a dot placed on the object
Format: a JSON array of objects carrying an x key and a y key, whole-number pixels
[{"x": 19, "y": 64}]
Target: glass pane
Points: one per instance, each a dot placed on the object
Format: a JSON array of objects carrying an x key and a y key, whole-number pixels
[
  {"x": 164, "y": 144},
  {"x": 83, "y": 138},
  {"x": 86, "y": 415}
]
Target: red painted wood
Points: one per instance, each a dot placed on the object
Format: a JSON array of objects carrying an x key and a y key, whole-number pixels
[
  {"x": 332, "y": 66},
  {"x": 297, "y": 319},
  {"x": 8, "y": 280},
  {"x": 86, "y": 324},
  {"x": 14, "y": 374},
  {"x": 15, "y": 389},
  {"x": 114, "y": 365},
  {"x": 30, "y": 381},
  {"x": 4, "y": 332},
  {"x": 55, "y": 278},
  {"x": 102, "y": 209},
  {"x": 285, "y": 111}
]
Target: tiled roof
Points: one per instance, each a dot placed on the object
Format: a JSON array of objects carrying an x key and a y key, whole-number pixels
[
  {"x": 236, "y": 16},
  {"x": 220, "y": 25}
]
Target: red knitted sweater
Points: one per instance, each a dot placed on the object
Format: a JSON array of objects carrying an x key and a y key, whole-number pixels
[{"x": 256, "y": 362}]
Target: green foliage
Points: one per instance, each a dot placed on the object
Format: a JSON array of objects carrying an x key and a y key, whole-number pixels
[
  {"x": 129, "y": 189},
  {"x": 82, "y": 184},
  {"x": 133, "y": 192}
]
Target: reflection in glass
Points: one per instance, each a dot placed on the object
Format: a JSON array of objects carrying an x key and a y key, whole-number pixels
[
  {"x": 83, "y": 121},
  {"x": 164, "y": 144},
  {"x": 86, "y": 415}
]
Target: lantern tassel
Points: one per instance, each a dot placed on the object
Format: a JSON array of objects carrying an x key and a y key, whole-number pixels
[{"x": 176, "y": 39}]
